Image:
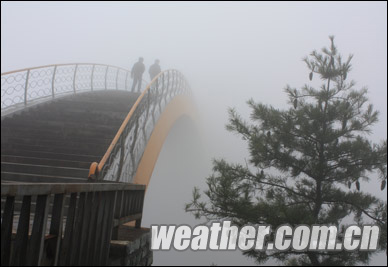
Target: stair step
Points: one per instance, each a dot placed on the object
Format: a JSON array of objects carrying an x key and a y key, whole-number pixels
[
  {"x": 47, "y": 162},
  {"x": 48, "y": 155},
  {"x": 92, "y": 150},
  {"x": 43, "y": 169},
  {"x": 122, "y": 102},
  {"x": 59, "y": 133},
  {"x": 75, "y": 117},
  {"x": 60, "y": 143},
  {"x": 45, "y": 125},
  {"x": 88, "y": 107},
  {"x": 6, "y": 134},
  {"x": 33, "y": 178},
  {"x": 57, "y": 110}
]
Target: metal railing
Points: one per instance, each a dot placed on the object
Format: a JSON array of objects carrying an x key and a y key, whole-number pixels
[
  {"x": 64, "y": 224},
  {"x": 22, "y": 87},
  {"x": 121, "y": 160}
]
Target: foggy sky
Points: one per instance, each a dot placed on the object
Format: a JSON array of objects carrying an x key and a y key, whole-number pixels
[{"x": 229, "y": 52}]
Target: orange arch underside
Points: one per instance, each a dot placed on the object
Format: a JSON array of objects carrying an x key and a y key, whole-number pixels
[{"x": 178, "y": 107}]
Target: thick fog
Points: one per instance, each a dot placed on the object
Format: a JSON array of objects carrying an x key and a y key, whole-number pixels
[{"x": 229, "y": 52}]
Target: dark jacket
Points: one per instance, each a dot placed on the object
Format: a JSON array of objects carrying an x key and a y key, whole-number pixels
[
  {"x": 154, "y": 70},
  {"x": 137, "y": 70}
]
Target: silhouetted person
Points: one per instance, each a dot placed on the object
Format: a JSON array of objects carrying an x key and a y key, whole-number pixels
[
  {"x": 154, "y": 71},
  {"x": 137, "y": 74}
]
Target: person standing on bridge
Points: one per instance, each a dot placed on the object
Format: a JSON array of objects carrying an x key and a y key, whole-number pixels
[
  {"x": 154, "y": 71},
  {"x": 137, "y": 74}
]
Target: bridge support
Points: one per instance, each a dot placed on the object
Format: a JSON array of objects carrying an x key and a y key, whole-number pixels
[
  {"x": 132, "y": 248},
  {"x": 178, "y": 107}
]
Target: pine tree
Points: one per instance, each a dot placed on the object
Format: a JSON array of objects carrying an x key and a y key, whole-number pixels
[{"x": 307, "y": 164}]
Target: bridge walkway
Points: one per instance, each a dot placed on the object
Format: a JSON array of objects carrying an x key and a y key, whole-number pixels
[{"x": 57, "y": 141}]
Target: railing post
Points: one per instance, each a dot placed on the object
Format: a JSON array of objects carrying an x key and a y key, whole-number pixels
[
  {"x": 122, "y": 154},
  {"x": 106, "y": 76},
  {"x": 19, "y": 252},
  {"x": 173, "y": 86},
  {"x": 6, "y": 230},
  {"x": 181, "y": 81},
  {"x": 118, "y": 213},
  {"x": 75, "y": 76},
  {"x": 169, "y": 86},
  {"x": 140, "y": 207},
  {"x": 147, "y": 104},
  {"x": 36, "y": 245},
  {"x": 164, "y": 87},
  {"x": 91, "y": 79},
  {"x": 26, "y": 87},
  {"x": 56, "y": 224},
  {"x": 117, "y": 79},
  {"x": 53, "y": 81},
  {"x": 126, "y": 81},
  {"x": 108, "y": 237}
]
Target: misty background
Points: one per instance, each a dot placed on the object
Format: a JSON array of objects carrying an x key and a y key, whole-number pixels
[{"x": 229, "y": 52}]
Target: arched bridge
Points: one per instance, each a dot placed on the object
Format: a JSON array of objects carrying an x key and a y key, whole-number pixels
[{"x": 78, "y": 148}]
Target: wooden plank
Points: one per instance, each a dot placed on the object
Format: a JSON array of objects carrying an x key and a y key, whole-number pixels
[
  {"x": 104, "y": 226},
  {"x": 35, "y": 247},
  {"x": 56, "y": 225},
  {"x": 129, "y": 203},
  {"x": 119, "y": 204},
  {"x": 138, "y": 208},
  {"x": 64, "y": 253},
  {"x": 118, "y": 213},
  {"x": 132, "y": 202},
  {"x": 106, "y": 243},
  {"x": 141, "y": 204},
  {"x": 19, "y": 254},
  {"x": 85, "y": 229},
  {"x": 92, "y": 230},
  {"x": 100, "y": 218},
  {"x": 138, "y": 199},
  {"x": 137, "y": 202},
  {"x": 6, "y": 230},
  {"x": 75, "y": 244},
  {"x": 125, "y": 204}
]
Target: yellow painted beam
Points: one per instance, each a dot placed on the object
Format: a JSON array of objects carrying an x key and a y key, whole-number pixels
[{"x": 179, "y": 106}]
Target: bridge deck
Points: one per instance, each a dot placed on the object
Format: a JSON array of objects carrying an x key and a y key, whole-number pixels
[{"x": 58, "y": 140}]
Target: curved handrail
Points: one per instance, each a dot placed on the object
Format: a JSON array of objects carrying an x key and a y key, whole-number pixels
[
  {"x": 162, "y": 88},
  {"x": 58, "y": 65},
  {"x": 24, "y": 86}
]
